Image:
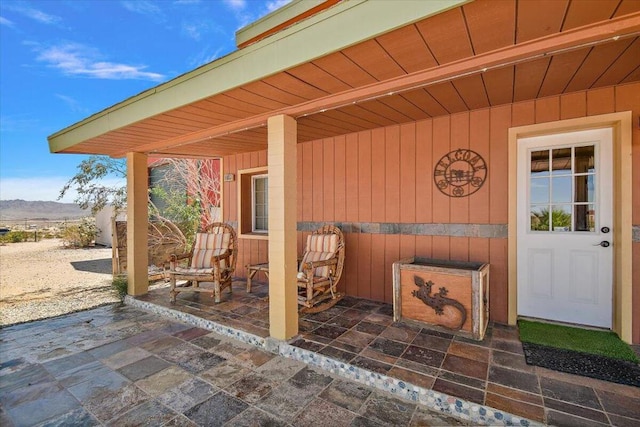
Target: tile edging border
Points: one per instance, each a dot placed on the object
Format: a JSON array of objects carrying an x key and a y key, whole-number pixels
[{"x": 439, "y": 402}]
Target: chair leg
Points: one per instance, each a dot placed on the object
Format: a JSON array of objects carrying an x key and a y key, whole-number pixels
[
  {"x": 216, "y": 292},
  {"x": 172, "y": 291}
]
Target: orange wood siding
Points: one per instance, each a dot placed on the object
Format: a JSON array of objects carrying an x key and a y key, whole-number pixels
[{"x": 386, "y": 176}]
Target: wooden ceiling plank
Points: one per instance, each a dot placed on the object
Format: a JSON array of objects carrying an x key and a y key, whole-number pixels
[
  {"x": 596, "y": 63},
  {"x": 560, "y": 72},
  {"x": 408, "y": 49},
  {"x": 626, "y": 7},
  {"x": 368, "y": 115},
  {"x": 585, "y": 12},
  {"x": 401, "y": 104},
  {"x": 626, "y": 63},
  {"x": 528, "y": 79},
  {"x": 634, "y": 76},
  {"x": 472, "y": 91},
  {"x": 191, "y": 113},
  {"x": 234, "y": 105},
  {"x": 446, "y": 35},
  {"x": 341, "y": 67},
  {"x": 384, "y": 110},
  {"x": 491, "y": 24},
  {"x": 318, "y": 122},
  {"x": 423, "y": 100},
  {"x": 340, "y": 114},
  {"x": 499, "y": 84},
  {"x": 318, "y": 77},
  {"x": 290, "y": 84},
  {"x": 539, "y": 18},
  {"x": 261, "y": 88},
  {"x": 245, "y": 96},
  {"x": 448, "y": 97},
  {"x": 331, "y": 120},
  {"x": 372, "y": 58}
]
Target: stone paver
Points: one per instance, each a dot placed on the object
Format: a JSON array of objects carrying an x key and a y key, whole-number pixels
[{"x": 115, "y": 366}]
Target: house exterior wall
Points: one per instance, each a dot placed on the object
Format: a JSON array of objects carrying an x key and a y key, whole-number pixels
[{"x": 379, "y": 185}]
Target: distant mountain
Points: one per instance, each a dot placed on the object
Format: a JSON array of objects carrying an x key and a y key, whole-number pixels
[{"x": 40, "y": 210}]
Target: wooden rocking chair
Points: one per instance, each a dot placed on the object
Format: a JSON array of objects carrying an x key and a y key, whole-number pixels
[
  {"x": 320, "y": 269},
  {"x": 212, "y": 260}
]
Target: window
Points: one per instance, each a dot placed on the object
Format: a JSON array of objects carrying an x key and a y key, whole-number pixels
[
  {"x": 253, "y": 203},
  {"x": 260, "y": 207}
]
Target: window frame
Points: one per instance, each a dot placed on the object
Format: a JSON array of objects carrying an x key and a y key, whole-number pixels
[{"x": 246, "y": 205}]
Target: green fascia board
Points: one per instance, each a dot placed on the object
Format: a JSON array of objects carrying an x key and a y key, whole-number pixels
[
  {"x": 275, "y": 18},
  {"x": 341, "y": 26}
]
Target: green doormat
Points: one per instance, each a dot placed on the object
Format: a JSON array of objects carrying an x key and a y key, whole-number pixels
[{"x": 596, "y": 354}]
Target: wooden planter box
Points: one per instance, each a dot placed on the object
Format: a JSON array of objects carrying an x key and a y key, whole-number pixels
[{"x": 449, "y": 294}]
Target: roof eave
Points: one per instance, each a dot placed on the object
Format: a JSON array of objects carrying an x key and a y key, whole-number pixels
[{"x": 332, "y": 30}]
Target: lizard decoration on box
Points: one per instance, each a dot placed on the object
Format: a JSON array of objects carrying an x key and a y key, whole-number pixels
[{"x": 439, "y": 300}]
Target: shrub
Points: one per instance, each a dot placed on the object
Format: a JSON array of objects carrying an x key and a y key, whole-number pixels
[
  {"x": 80, "y": 235},
  {"x": 120, "y": 285}
]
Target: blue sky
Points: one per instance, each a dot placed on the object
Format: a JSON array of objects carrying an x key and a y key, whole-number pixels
[{"x": 61, "y": 61}]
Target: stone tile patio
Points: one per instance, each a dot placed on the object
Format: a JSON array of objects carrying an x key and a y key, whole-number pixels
[
  {"x": 122, "y": 366},
  {"x": 493, "y": 372}
]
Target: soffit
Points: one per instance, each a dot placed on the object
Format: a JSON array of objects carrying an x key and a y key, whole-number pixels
[{"x": 477, "y": 28}]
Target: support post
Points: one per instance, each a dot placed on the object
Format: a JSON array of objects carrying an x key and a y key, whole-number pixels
[
  {"x": 137, "y": 224},
  {"x": 283, "y": 291}
]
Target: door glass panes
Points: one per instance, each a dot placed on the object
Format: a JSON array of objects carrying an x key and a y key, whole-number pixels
[{"x": 562, "y": 189}]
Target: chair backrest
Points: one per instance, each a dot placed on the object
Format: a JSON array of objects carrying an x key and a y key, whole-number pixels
[
  {"x": 323, "y": 244},
  {"x": 215, "y": 239}
]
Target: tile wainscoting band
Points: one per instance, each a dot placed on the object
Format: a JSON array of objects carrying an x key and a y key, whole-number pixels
[
  {"x": 495, "y": 231},
  {"x": 416, "y": 229}
]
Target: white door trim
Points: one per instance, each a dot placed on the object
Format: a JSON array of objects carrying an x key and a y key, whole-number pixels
[{"x": 621, "y": 123}]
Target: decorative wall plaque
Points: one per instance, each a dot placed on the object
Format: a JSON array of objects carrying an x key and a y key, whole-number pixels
[
  {"x": 460, "y": 173},
  {"x": 439, "y": 300}
]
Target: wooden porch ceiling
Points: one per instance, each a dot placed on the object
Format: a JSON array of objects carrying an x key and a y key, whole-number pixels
[{"x": 231, "y": 122}]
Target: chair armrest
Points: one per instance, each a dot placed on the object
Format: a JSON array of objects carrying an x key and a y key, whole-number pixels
[
  {"x": 174, "y": 258},
  {"x": 311, "y": 265}
]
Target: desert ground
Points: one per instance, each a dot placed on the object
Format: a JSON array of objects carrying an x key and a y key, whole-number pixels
[{"x": 44, "y": 279}]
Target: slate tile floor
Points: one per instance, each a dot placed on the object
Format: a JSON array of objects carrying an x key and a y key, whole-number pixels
[
  {"x": 121, "y": 366},
  {"x": 491, "y": 372}
]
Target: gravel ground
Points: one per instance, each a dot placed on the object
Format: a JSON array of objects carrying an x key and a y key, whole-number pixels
[{"x": 43, "y": 279}]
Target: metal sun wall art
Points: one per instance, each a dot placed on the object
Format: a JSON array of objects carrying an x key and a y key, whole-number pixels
[{"x": 460, "y": 173}]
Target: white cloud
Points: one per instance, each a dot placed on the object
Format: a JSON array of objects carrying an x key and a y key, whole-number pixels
[
  {"x": 143, "y": 7},
  {"x": 43, "y": 188},
  {"x": 4, "y": 21},
  {"x": 236, "y": 4},
  {"x": 72, "y": 103},
  {"x": 79, "y": 60},
  {"x": 32, "y": 13}
]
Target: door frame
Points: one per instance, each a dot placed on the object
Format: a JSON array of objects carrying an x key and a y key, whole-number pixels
[{"x": 622, "y": 220}]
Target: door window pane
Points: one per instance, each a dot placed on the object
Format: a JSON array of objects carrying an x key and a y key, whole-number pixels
[
  {"x": 540, "y": 163},
  {"x": 539, "y": 218},
  {"x": 585, "y": 218},
  {"x": 561, "y": 161},
  {"x": 561, "y": 189},
  {"x": 585, "y": 188},
  {"x": 561, "y": 217},
  {"x": 585, "y": 162},
  {"x": 539, "y": 190}
]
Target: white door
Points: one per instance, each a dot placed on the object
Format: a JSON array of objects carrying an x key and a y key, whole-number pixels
[{"x": 565, "y": 254}]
